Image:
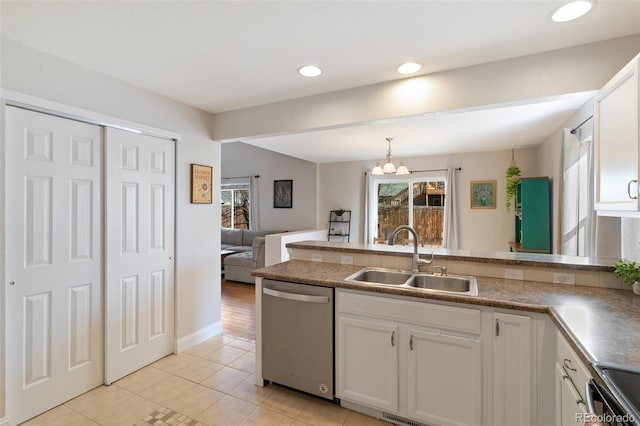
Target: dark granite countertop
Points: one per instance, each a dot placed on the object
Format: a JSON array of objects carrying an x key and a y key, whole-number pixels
[
  {"x": 601, "y": 324},
  {"x": 500, "y": 258}
]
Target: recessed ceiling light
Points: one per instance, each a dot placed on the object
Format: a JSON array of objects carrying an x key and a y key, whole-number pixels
[
  {"x": 572, "y": 10},
  {"x": 409, "y": 68},
  {"x": 309, "y": 71}
]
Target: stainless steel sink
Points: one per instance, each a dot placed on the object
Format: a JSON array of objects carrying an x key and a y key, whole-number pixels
[
  {"x": 381, "y": 276},
  {"x": 458, "y": 284},
  {"x": 443, "y": 283}
]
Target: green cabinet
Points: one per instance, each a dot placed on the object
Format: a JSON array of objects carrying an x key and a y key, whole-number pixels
[{"x": 533, "y": 215}]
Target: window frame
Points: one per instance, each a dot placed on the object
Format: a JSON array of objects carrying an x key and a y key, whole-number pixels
[
  {"x": 232, "y": 187},
  {"x": 375, "y": 181}
]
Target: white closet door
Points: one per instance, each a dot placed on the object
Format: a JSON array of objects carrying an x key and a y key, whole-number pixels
[
  {"x": 139, "y": 251},
  {"x": 53, "y": 240}
]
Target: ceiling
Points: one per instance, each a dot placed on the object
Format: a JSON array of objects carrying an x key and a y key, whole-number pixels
[{"x": 221, "y": 56}]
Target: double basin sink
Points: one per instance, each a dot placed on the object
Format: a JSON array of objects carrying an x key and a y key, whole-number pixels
[{"x": 456, "y": 284}]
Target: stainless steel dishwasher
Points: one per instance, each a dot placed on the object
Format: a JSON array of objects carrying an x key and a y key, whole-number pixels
[{"x": 297, "y": 336}]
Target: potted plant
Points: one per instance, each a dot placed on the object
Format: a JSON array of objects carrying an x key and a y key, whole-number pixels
[
  {"x": 629, "y": 272},
  {"x": 512, "y": 176},
  {"x": 339, "y": 212}
]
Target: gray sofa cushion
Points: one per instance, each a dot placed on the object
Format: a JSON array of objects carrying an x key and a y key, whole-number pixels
[
  {"x": 232, "y": 237},
  {"x": 248, "y": 236},
  {"x": 244, "y": 259}
]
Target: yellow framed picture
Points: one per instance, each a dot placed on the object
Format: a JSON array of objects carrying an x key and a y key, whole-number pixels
[
  {"x": 201, "y": 181},
  {"x": 483, "y": 194}
]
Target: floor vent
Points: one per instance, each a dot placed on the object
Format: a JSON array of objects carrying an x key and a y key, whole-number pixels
[{"x": 400, "y": 420}]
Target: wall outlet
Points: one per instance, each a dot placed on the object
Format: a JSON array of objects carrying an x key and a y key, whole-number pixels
[
  {"x": 563, "y": 278},
  {"x": 346, "y": 260},
  {"x": 513, "y": 274},
  {"x": 316, "y": 257}
]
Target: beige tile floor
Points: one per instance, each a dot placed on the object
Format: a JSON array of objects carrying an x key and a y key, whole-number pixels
[{"x": 208, "y": 385}]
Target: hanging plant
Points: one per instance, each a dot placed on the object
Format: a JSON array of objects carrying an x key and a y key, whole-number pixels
[{"x": 513, "y": 175}]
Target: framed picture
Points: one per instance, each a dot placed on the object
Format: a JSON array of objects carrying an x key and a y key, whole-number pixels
[
  {"x": 282, "y": 194},
  {"x": 201, "y": 181},
  {"x": 483, "y": 194}
]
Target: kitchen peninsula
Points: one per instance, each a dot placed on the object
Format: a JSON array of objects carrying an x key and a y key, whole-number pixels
[{"x": 587, "y": 308}]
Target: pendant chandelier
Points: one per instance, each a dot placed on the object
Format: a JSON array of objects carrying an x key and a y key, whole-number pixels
[{"x": 389, "y": 167}]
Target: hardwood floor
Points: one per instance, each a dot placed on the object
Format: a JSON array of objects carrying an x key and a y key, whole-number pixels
[{"x": 238, "y": 309}]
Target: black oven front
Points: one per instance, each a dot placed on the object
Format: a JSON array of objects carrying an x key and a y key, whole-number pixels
[{"x": 605, "y": 408}]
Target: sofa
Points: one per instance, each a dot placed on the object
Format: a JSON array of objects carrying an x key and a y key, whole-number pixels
[{"x": 250, "y": 248}]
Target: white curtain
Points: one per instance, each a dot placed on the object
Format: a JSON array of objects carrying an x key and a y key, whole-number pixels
[
  {"x": 367, "y": 198},
  {"x": 254, "y": 211},
  {"x": 450, "y": 215}
]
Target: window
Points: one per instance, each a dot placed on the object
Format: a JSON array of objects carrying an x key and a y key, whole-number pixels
[
  {"x": 235, "y": 206},
  {"x": 418, "y": 202}
]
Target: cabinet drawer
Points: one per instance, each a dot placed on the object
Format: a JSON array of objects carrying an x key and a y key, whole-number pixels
[
  {"x": 573, "y": 366},
  {"x": 420, "y": 313}
]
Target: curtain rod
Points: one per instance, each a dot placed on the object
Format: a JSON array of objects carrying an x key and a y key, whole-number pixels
[
  {"x": 240, "y": 177},
  {"x": 457, "y": 169},
  {"x": 575, "y": 129}
]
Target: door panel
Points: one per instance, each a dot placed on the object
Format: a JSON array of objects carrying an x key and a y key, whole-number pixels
[
  {"x": 139, "y": 251},
  {"x": 367, "y": 362},
  {"x": 53, "y": 234},
  {"x": 444, "y": 378}
]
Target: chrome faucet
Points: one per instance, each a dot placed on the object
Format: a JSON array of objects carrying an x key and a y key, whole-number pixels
[{"x": 416, "y": 261}]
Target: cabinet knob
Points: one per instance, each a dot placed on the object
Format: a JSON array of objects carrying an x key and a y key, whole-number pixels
[{"x": 629, "y": 189}]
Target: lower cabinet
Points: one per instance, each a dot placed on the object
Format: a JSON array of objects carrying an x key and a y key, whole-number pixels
[
  {"x": 513, "y": 388},
  {"x": 438, "y": 371},
  {"x": 367, "y": 362},
  {"x": 425, "y": 362},
  {"x": 444, "y": 378},
  {"x": 571, "y": 379},
  {"x": 571, "y": 408}
]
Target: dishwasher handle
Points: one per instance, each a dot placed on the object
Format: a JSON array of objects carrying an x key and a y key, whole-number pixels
[{"x": 295, "y": 296}]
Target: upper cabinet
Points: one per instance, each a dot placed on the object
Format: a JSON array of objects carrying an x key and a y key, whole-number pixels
[{"x": 617, "y": 136}]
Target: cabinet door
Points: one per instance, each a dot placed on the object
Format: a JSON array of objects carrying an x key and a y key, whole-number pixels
[
  {"x": 570, "y": 406},
  {"x": 444, "y": 378},
  {"x": 367, "y": 362},
  {"x": 616, "y": 141},
  {"x": 512, "y": 370}
]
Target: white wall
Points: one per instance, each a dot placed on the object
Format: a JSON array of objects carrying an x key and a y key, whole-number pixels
[
  {"x": 30, "y": 72},
  {"x": 631, "y": 238},
  {"x": 240, "y": 159},
  {"x": 341, "y": 185},
  {"x": 550, "y": 158}
]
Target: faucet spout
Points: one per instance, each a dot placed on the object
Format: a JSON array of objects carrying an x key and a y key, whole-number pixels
[{"x": 416, "y": 261}]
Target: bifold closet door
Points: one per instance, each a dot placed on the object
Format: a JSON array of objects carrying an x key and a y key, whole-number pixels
[
  {"x": 139, "y": 251},
  {"x": 54, "y": 322}
]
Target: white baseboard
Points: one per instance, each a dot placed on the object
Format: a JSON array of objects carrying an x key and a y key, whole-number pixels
[{"x": 185, "y": 342}]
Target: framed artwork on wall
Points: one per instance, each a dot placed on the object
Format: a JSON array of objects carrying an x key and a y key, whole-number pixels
[
  {"x": 282, "y": 194},
  {"x": 201, "y": 182},
  {"x": 483, "y": 194}
]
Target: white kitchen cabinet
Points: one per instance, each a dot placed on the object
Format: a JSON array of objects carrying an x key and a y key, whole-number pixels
[
  {"x": 444, "y": 378},
  {"x": 512, "y": 370},
  {"x": 569, "y": 400},
  {"x": 617, "y": 138},
  {"x": 571, "y": 379},
  {"x": 367, "y": 367},
  {"x": 389, "y": 347}
]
